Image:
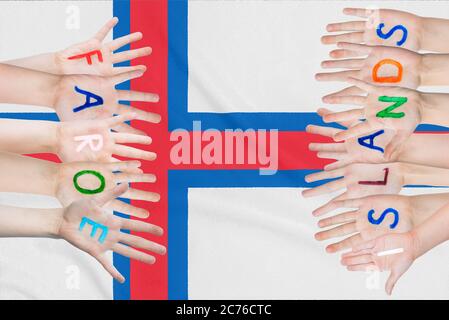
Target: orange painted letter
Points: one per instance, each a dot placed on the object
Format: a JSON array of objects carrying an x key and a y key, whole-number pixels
[{"x": 389, "y": 79}]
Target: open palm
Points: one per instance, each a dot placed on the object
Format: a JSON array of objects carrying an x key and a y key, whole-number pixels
[
  {"x": 365, "y": 30},
  {"x": 77, "y": 227},
  {"x": 358, "y": 180},
  {"x": 113, "y": 173},
  {"x": 367, "y": 221},
  {"x": 102, "y": 58},
  {"x": 349, "y": 151},
  {"x": 361, "y": 59},
  {"x": 93, "y": 140},
  {"x": 365, "y": 256},
  {"x": 394, "y": 108},
  {"x": 69, "y": 101}
]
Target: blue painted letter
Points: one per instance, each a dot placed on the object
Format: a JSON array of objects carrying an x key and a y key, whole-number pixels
[
  {"x": 390, "y": 33},
  {"x": 88, "y": 104},
  {"x": 95, "y": 226},
  {"x": 371, "y": 138},
  {"x": 382, "y": 217}
]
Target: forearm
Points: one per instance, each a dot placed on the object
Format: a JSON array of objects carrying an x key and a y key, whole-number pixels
[
  {"x": 436, "y": 148},
  {"x": 27, "y": 222},
  {"x": 24, "y": 86},
  {"x": 425, "y": 205},
  {"x": 414, "y": 174},
  {"x": 432, "y": 232},
  {"x": 24, "y": 136},
  {"x": 434, "y": 108},
  {"x": 434, "y": 70},
  {"x": 45, "y": 62},
  {"x": 27, "y": 175},
  {"x": 434, "y": 35}
]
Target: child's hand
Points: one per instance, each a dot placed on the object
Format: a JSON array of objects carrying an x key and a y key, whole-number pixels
[
  {"x": 373, "y": 216},
  {"x": 86, "y": 225},
  {"x": 359, "y": 180},
  {"x": 362, "y": 62},
  {"x": 365, "y": 256},
  {"x": 74, "y": 93},
  {"x": 101, "y": 57},
  {"x": 93, "y": 140},
  {"x": 81, "y": 180},
  {"x": 350, "y": 151},
  {"x": 399, "y": 28},
  {"x": 394, "y": 108}
]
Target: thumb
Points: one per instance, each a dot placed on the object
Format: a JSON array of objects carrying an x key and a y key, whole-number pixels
[
  {"x": 392, "y": 146},
  {"x": 111, "y": 194},
  {"x": 391, "y": 282}
]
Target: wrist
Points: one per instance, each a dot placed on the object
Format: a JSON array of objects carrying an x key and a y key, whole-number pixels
[
  {"x": 54, "y": 222},
  {"x": 55, "y": 89},
  {"x": 413, "y": 206},
  {"x": 415, "y": 243},
  {"x": 57, "y": 62},
  {"x": 55, "y": 138}
]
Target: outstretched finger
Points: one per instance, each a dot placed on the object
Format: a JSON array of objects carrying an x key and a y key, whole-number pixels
[
  {"x": 125, "y": 166},
  {"x": 129, "y": 95},
  {"x": 357, "y": 130},
  {"x": 354, "y": 100},
  {"x": 342, "y": 76},
  {"x": 345, "y": 217},
  {"x": 130, "y": 54},
  {"x": 392, "y": 279},
  {"x": 126, "y": 128},
  {"x": 104, "y": 31},
  {"x": 122, "y": 177},
  {"x": 343, "y": 64},
  {"x": 357, "y": 259},
  {"x": 323, "y": 112},
  {"x": 346, "y": 26},
  {"x": 125, "y": 208},
  {"x": 135, "y": 153},
  {"x": 323, "y": 175},
  {"x": 322, "y": 131},
  {"x": 362, "y": 267},
  {"x": 136, "y": 194},
  {"x": 349, "y": 91},
  {"x": 109, "y": 267},
  {"x": 125, "y": 76},
  {"x": 331, "y": 155},
  {"x": 328, "y": 187},
  {"x": 111, "y": 194},
  {"x": 362, "y": 49},
  {"x": 141, "y": 115},
  {"x": 140, "y": 226},
  {"x": 362, "y": 85},
  {"x": 123, "y": 41},
  {"x": 344, "y": 54},
  {"x": 139, "y": 242},
  {"x": 339, "y": 231},
  {"x": 121, "y": 70},
  {"x": 131, "y": 138},
  {"x": 133, "y": 253},
  {"x": 117, "y": 120},
  {"x": 327, "y": 147},
  {"x": 337, "y": 204},
  {"x": 356, "y": 37},
  {"x": 355, "y": 114},
  {"x": 345, "y": 243},
  {"x": 358, "y": 12},
  {"x": 337, "y": 164}
]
